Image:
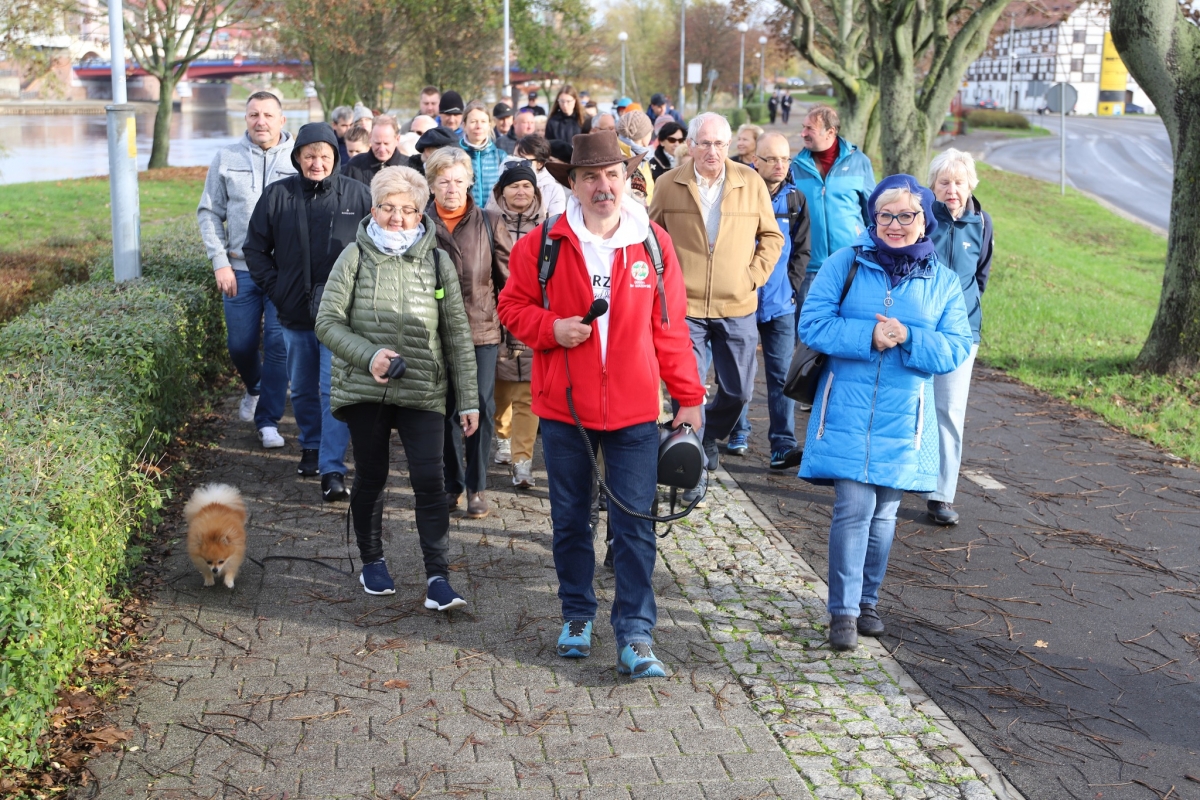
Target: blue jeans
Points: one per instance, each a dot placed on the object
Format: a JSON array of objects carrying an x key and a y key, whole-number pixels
[
  {"x": 860, "y": 538},
  {"x": 730, "y": 342},
  {"x": 631, "y": 469},
  {"x": 477, "y": 448},
  {"x": 778, "y": 338},
  {"x": 250, "y": 319},
  {"x": 309, "y": 364}
]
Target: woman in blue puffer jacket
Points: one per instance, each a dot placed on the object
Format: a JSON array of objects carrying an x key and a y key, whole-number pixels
[{"x": 873, "y": 433}]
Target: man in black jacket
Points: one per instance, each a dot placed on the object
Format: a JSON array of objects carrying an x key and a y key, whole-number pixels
[
  {"x": 385, "y": 136},
  {"x": 298, "y": 229}
]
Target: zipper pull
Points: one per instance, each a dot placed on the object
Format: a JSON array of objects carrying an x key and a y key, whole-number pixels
[{"x": 887, "y": 301}]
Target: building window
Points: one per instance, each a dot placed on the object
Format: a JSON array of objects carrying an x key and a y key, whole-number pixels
[
  {"x": 1076, "y": 64},
  {"x": 1089, "y": 77},
  {"x": 1079, "y": 37},
  {"x": 1091, "y": 49}
]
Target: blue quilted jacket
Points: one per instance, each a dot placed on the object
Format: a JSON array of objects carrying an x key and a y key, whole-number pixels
[
  {"x": 873, "y": 420},
  {"x": 486, "y": 163}
]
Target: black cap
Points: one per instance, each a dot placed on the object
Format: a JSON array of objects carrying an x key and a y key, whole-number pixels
[
  {"x": 502, "y": 111},
  {"x": 514, "y": 171},
  {"x": 561, "y": 150},
  {"x": 533, "y": 95},
  {"x": 658, "y": 99},
  {"x": 451, "y": 103},
  {"x": 436, "y": 138}
]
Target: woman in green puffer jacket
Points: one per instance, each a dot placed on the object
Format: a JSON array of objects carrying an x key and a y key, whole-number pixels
[{"x": 392, "y": 294}]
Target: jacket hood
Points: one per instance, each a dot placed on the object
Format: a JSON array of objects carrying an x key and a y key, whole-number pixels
[
  {"x": 536, "y": 210},
  {"x": 316, "y": 132},
  {"x": 634, "y": 228},
  {"x": 914, "y": 187},
  {"x": 284, "y": 139}
]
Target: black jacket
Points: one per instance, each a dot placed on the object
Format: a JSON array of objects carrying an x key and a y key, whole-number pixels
[
  {"x": 365, "y": 166},
  {"x": 299, "y": 222},
  {"x": 660, "y": 162},
  {"x": 506, "y": 141},
  {"x": 561, "y": 127}
]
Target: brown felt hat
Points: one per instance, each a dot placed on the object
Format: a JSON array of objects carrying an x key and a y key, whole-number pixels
[{"x": 599, "y": 149}]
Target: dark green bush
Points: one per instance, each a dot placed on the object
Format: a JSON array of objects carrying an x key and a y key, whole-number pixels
[
  {"x": 757, "y": 113},
  {"x": 736, "y": 117},
  {"x": 997, "y": 119},
  {"x": 95, "y": 380}
]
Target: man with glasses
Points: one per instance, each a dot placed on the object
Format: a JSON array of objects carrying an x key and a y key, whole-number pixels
[
  {"x": 777, "y": 309},
  {"x": 720, "y": 217}
]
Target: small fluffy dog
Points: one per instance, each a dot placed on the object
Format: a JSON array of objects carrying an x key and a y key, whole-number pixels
[{"x": 216, "y": 538}]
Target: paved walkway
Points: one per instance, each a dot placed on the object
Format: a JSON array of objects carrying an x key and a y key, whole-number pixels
[{"x": 297, "y": 684}]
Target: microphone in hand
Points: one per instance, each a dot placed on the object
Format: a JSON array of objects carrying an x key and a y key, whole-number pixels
[{"x": 599, "y": 308}]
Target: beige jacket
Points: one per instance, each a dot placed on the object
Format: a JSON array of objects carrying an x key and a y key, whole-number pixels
[{"x": 723, "y": 281}]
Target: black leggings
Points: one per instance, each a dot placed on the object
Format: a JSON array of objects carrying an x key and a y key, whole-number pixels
[{"x": 421, "y": 434}]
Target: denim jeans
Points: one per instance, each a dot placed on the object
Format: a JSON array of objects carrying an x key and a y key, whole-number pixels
[
  {"x": 250, "y": 319},
  {"x": 860, "y": 538},
  {"x": 950, "y": 399},
  {"x": 778, "y": 338},
  {"x": 631, "y": 468},
  {"x": 732, "y": 342},
  {"x": 309, "y": 365},
  {"x": 477, "y": 449}
]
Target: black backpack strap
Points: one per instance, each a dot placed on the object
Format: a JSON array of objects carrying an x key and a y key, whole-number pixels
[
  {"x": 656, "y": 258},
  {"x": 793, "y": 204},
  {"x": 549, "y": 255},
  {"x": 439, "y": 292},
  {"x": 849, "y": 278}
]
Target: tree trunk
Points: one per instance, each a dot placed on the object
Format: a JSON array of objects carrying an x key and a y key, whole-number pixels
[
  {"x": 162, "y": 122},
  {"x": 855, "y": 111},
  {"x": 903, "y": 137},
  {"x": 1162, "y": 51}
]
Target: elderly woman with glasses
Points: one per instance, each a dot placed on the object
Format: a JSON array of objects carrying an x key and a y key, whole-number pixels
[
  {"x": 393, "y": 299},
  {"x": 890, "y": 316}
]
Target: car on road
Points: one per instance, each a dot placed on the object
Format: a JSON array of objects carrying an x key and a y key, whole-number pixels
[
  {"x": 1131, "y": 108},
  {"x": 989, "y": 103}
]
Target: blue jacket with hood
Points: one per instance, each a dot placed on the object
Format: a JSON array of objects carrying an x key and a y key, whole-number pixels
[
  {"x": 837, "y": 202},
  {"x": 778, "y": 295},
  {"x": 965, "y": 246},
  {"x": 486, "y": 162},
  {"x": 873, "y": 419}
]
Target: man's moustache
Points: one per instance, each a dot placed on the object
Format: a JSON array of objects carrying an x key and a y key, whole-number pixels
[{"x": 600, "y": 197}]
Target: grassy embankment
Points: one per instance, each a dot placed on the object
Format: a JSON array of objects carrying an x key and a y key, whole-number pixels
[
  {"x": 50, "y": 231},
  {"x": 1073, "y": 292}
]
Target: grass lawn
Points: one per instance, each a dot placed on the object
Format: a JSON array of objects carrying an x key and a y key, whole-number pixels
[
  {"x": 1014, "y": 133},
  {"x": 1072, "y": 294}
]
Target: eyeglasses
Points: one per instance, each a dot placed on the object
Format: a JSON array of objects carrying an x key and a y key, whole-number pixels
[
  {"x": 779, "y": 160},
  {"x": 405, "y": 211},
  {"x": 905, "y": 218},
  {"x": 711, "y": 145},
  {"x": 673, "y": 139}
]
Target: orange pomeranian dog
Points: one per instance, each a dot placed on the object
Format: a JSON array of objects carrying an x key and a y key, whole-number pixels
[{"x": 216, "y": 538}]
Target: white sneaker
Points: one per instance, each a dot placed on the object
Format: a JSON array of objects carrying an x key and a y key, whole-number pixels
[
  {"x": 503, "y": 451},
  {"x": 522, "y": 475},
  {"x": 247, "y": 407},
  {"x": 270, "y": 438}
]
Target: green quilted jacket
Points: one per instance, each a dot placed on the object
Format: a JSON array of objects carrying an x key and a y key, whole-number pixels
[{"x": 373, "y": 300}]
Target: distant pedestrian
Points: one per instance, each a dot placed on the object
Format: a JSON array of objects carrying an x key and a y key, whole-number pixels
[
  {"x": 746, "y": 144},
  {"x": 661, "y": 104},
  {"x": 523, "y": 125},
  {"x": 235, "y": 181},
  {"x": 635, "y": 133},
  {"x": 533, "y": 107},
  {"x": 450, "y": 111},
  {"x": 358, "y": 141},
  {"x": 964, "y": 242},
  {"x": 617, "y": 407},
  {"x": 517, "y": 197},
  {"x": 363, "y": 116},
  {"x": 603, "y": 122},
  {"x": 391, "y": 294},
  {"x": 385, "y": 136},
  {"x": 502, "y": 118},
  {"x": 720, "y": 217},
  {"x": 773, "y": 106},
  {"x": 340, "y": 119},
  {"x": 537, "y": 150},
  {"x": 478, "y": 143},
  {"x": 621, "y": 104},
  {"x": 785, "y": 106},
  {"x": 422, "y": 123},
  {"x": 427, "y": 105},
  {"x": 670, "y": 136},
  {"x": 566, "y": 121},
  {"x": 871, "y": 433},
  {"x": 430, "y": 142},
  {"x": 478, "y": 243},
  {"x": 299, "y": 228},
  {"x": 836, "y": 179},
  {"x": 777, "y": 309}
]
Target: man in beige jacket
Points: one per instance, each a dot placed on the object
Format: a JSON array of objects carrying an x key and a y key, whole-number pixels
[{"x": 721, "y": 221}]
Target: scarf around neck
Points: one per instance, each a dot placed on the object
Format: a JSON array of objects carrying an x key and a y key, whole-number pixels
[
  {"x": 900, "y": 262},
  {"x": 394, "y": 243}
]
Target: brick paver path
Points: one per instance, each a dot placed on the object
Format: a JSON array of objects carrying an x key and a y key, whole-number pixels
[{"x": 298, "y": 684}]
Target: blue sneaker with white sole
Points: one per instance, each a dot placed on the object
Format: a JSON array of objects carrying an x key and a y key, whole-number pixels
[
  {"x": 637, "y": 661},
  {"x": 575, "y": 641},
  {"x": 738, "y": 445},
  {"x": 439, "y": 596},
  {"x": 375, "y": 578}
]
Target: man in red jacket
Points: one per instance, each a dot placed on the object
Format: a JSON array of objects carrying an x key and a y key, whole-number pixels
[{"x": 612, "y": 368}]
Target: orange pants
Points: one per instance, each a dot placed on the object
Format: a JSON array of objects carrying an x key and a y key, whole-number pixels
[{"x": 514, "y": 417}]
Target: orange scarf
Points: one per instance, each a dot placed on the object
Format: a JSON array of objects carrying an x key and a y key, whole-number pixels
[{"x": 451, "y": 218}]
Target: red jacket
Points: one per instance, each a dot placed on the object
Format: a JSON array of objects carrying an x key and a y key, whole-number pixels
[{"x": 641, "y": 350}]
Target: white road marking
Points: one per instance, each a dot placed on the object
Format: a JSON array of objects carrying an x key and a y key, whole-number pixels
[{"x": 983, "y": 480}]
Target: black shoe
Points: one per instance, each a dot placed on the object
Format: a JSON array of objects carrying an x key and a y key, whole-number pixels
[
  {"x": 608, "y": 555},
  {"x": 842, "y": 633},
  {"x": 786, "y": 459},
  {"x": 869, "y": 623},
  {"x": 714, "y": 457},
  {"x": 942, "y": 513},
  {"x": 309, "y": 461},
  {"x": 333, "y": 487}
]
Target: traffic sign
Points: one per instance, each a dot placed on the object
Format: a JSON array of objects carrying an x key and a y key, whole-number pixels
[
  {"x": 1055, "y": 92},
  {"x": 695, "y": 73}
]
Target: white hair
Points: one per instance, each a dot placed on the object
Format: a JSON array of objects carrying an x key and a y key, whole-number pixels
[
  {"x": 342, "y": 114},
  {"x": 400, "y": 180},
  {"x": 699, "y": 120},
  {"x": 954, "y": 160}
]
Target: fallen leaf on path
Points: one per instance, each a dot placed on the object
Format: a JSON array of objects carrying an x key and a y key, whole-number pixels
[
  {"x": 394, "y": 684},
  {"x": 1040, "y": 643}
]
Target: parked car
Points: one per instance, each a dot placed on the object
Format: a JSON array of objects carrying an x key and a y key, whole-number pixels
[
  {"x": 1130, "y": 108},
  {"x": 989, "y": 103}
]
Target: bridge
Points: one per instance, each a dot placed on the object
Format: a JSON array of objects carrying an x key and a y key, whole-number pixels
[{"x": 214, "y": 70}]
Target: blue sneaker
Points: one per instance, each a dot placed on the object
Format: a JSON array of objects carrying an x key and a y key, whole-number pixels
[
  {"x": 637, "y": 661},
  {"x": 575, "y": 641},
  {"x": 375, "y": 578},
  {"x": 786, "y": 459},
  {"x": 738, "y": 445},
  {"x": 439, "y": 596}
]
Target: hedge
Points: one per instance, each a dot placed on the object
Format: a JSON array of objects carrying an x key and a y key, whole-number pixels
[
  {"x": 997, "y": 119},
  {"x": 95, "y": 381}
]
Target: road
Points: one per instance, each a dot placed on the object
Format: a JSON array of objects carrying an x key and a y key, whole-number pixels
[{"x": 1125, "y": 160}]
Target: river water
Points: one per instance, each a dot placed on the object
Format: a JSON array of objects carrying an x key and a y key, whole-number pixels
[{"x": 54, "y": 147}]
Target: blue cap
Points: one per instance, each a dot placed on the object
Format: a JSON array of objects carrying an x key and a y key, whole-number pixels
[
  {"x": 914, "y": 187},
  {"x": 624, "y": 101}
]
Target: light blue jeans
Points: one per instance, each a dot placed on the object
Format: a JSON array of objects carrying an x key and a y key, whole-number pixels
[
  {"x": 860, "y": 538},
  {"x": 950, "y": 399}
]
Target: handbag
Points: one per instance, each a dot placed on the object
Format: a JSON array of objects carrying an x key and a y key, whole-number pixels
[{"x": 804, "y": 373}]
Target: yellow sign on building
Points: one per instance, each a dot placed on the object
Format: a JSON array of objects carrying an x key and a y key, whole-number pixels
[{"x": 1114, "y": 77}]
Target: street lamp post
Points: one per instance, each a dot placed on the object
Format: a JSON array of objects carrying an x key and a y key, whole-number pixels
[
  {"x": 682, "y": 52},
  {"x": 742, "y": 28},
  {"x": 122, "y": 159},
  {"x": 762, "y": 70},
  {"x": 507, "y": 90},
  {"x": 623, "y": 37}
]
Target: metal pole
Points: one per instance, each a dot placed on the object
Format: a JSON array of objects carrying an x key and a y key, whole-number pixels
[
  {"x": 122, "y": 159},
  {"x": 762, "y": 70},
  {"x": 1011, "y": 64},
  {"x": 742, "y": 66},
  {"x": 507, "y": 91},
  {"x": 1062, "y": 138},
  {"x": 623, "y": 36},
  {"x": 682, "y": 51}
]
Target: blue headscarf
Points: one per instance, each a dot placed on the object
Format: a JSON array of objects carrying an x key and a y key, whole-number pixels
[{"x": 899, "y": 262}]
